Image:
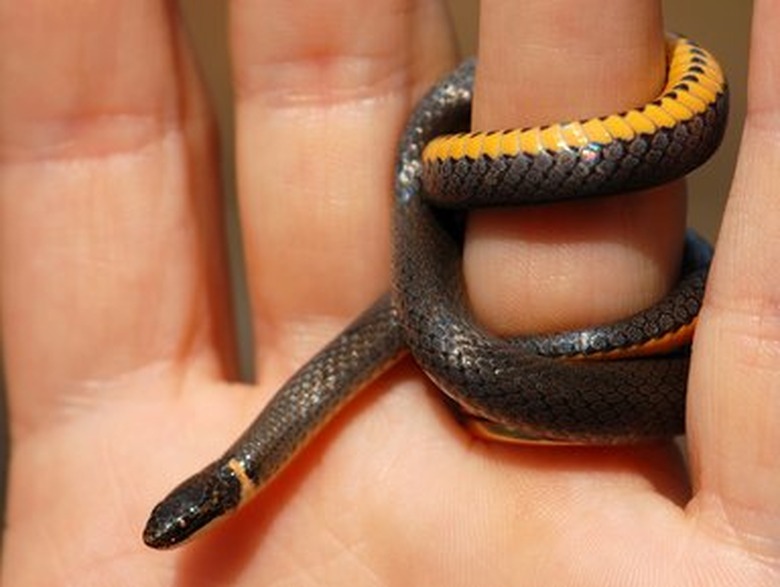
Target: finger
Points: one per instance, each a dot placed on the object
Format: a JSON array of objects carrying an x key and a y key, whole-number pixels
[
  {"x": 555, "y": 267},
  {"x": 322, "y": 91},
  {"x": 734, "y": 408},
  {"x": 109, "y": 242}
]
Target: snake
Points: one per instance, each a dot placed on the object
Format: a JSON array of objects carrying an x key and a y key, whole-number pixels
[{"x": 603, "y": 385}]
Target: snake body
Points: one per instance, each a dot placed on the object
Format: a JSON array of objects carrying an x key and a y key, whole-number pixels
[{"x": 600, "y": 385}]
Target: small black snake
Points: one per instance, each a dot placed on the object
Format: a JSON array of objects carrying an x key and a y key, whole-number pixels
[{"x": 601, "y": 385}]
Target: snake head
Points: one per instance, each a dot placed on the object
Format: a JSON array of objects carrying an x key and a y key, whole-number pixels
[{"x": 194, "y": 504}]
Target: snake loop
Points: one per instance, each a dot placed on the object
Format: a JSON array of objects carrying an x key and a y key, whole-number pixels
[{"x": 545, "y": 388}]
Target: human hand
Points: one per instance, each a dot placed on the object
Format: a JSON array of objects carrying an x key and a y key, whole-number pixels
[{"x": 115, "y": 321}]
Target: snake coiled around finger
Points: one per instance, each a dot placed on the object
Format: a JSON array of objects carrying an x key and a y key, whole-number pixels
[{"x": 609, "y": 384}]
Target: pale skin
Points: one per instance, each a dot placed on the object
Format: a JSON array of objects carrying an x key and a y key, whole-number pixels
[{"x": 115, "y": 304}]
